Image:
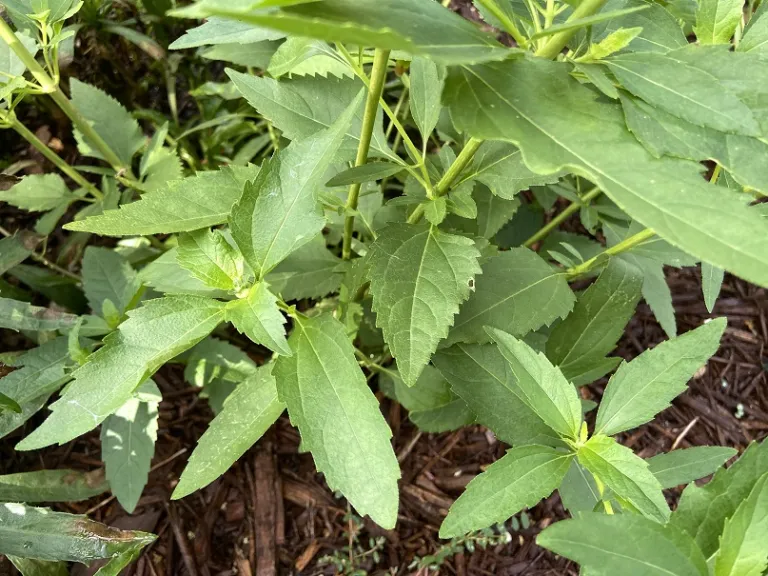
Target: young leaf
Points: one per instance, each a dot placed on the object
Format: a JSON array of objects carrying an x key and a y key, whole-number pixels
[
  {"x": 299, "y": 56},
  {"x": 517, "y": 292},
  {"x": 17, "y": 315},
  {"x": 580, "y": 343},
  {"x": 38, "y": 192},
  {"x": 247, "y": 414},
  {"x": 625, "y": 544},
  {"x": 338, "y": 417},
  {"x": 52, "y": 486},
  {"x": 209, "y": 257},
  {"x": 661, "y": 31},
  {"x": 109, "y": 119},
  {"x": 279, "y": 212},
  {"x": 519, "y": 480},
  {"x": 646, "y": 385},
  {"x": 711, "y": 282},
  {"x": 427, "y": 80},
  {"x": 127, "y": 446},
  {"x": 716, "y": 20},
  {"x": 108, "y": 276},
  {"x": 684, "y": 466},
  {"x": 543, "y": 388},
  {"x": 195, "y": 202},
  {"x": 551, "y": 138},
  {"x": 742, "y": 545},
  {"x": 312, "y": 271},
  {"x": 42, "y": 534},
  {"x": 153, "y": 334},
  {"x": 365, "y": 173},
  {"x": 419, "y": 276},
  {"x": 625, "y": 474},
  {"x": 258, "y": 317},
  {"x": 483, "y": 378},
  {"x": 165, "y": 274}
]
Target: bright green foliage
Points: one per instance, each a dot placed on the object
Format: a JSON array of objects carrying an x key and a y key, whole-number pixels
[
  {"x": 716, "y": 20},
  {"x": 221, "y": 31},
  {"x": 579, "y": 344},
  {"x": 426, "y": 86},
  {"x": 517, "y": 292},
  {"x": 755, "y": 37},
  {"x": 207, "y": 255},
  {"x": 624, "y": 544},
  {"x": 626, "y": 475},
  {"x": 258, "y": 317},
  {"x": 152, "y": 335},
  {"x": 689, "y": 464},
  {"x": 419, "y": 276},
  {"x": 107, "y": 276},
  {"x": 521, "y": 478},
  {"x": 711, "y": 282},
  {"x": 51, "y": 486},
  {"x": 543, "y": 388},
  {"x": 251, "y": 409},
  {"x": 165, "y": 274},
  {"x": 279, "y": 212},
  {"x": 312, "y": 271},
  {"x": 431, "y": 404},
  {"x": 38, "y": 192},
  {"x": 646, "y": 385},
  {"x": 660, "y": 32},
  {"x": 29, "y": 567},
  {"x": 204, "y": 199},
  {"x": 42, "y": 534},
  {"x": 329, "y": 401},
  {"x": 23, "y": 316},
  {"x": 304, "y": 56}
]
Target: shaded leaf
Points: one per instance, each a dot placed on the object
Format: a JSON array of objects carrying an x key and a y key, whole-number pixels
[
  {"x": 684, "y": 466},
  {"x": 52, "y": 486},
  {"x": 108, "y": 276}
]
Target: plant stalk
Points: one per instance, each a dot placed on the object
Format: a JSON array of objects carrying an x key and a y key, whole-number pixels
[
  {"x": 562, "y": 217},
  {"x": 557, "y": 42},
  {"x": 375, "y": 88},
  {"x": 623, "y": 246},
  {"x": 506, "y": 21}
]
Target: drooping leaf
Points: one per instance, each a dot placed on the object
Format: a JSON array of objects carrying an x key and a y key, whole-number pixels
[
  {"x": 716, "y": 20},
  {"x": 152, "y": 335},
  {"x": 625, "y": 544},
  {"x": 338, "y": 417},
  {"x": 519, "y": 480},
  {"x": 419, "y": 277},
  {"x": 667, "y": 195},
  {"x": 198, "y": 201},
  {"x": 248, "y": 412},
  {"x": 312, "y": 271},
  {"x": 579, "y": 345},
  {"x": 207, "y": 255},
  {"x": 38, "y": 192},
  {"x": 626, "y": 475},
  {"x": 517, "y": 292},
  {"x": 684, "y": 466},
  {"x": 17, "y": 315},
  {"x": 52, "y": 486},
  {"x": 543, "y": 387},
  {"x": 711, "y": 282},
  {"x": 108, "y": 276},
  {"x": 646, "y": 385},
  {"x": 427, "y": 79},
  {"x": 258, "y": 317},
  {"x": 279, "y": 212}
]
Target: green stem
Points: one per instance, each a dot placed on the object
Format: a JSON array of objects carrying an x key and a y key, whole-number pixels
[
  {"x": 50, "y": 87},
  {"x": 375, "y": 88},
  {"x": 562, "y": 217},
  {"x": 450, "y": 176},
  {"x": 557, "y": 42},
  {"x": 623, "y": 246},
  {"x": 54, "y": 158},
  {"x": 506, "y": 21}
]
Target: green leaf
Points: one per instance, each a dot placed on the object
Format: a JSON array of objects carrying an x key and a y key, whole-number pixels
[
  {"x": 667, "y": 195},
  {"x": 427, "y": 80},
  {"x": 17, "y": 315},
  {"x": 42, "y": 534},
  {"x": 482, "y": 377},
  {"x": 207, "y": 255},
  {"x": 312, "y": 271},
  {"x": 711, "y": 282},
  {"x": 435, "y": 210},
  {"x": 578, "y": 490},
  {"x": 38, "y": 192},
  {"x": 302, "y": 107},
  {"x": 646, "y": 385},
  {"x": 661, "y": 32},
  {"x": 625, "y": 474},
  {"x": 543, "y": 388},
  {"x": 415, "y": 26},
  {"x": 365, "y": 173},
  {"x": 29, "y": 567},
  {"x": 755, "y": 38},
  {"x": 625, "y": 544},
  {"x": 517, "y": 292},
  {"x": 8, "y": 403},
  {"x": 195, "y": 202},
  {"x": 419, "y": 276},
  {"x": 52, "y": 486},
  {"x": 127, "y": 446},
  {"x": 581, "y": 342},
  {"x": 431, "y": 404},
  {"x": 301, "y": 56},
  {"x": 579, "y": 23},
  {"x": 9, "y": 62},
  {"x": 519, "y": 480},
  {"x": 716, "y": 20},
  {"x": 108, "y": 276},
  {"x": 279, "y": 212},
  {"x": 222, "y": 31},
  {"x": 153, "y": 334},
  {"x": 247, "y": 414},
  {"x": 742, "y": 546},
  {"x": 257, "y": 54},
  {"x": 165, "y": 274},
  {"x": 15, "y": 249},
  {"x": 492, "y": 211},
  {"x": 258, "y": 317},
  {"x": 111, "y": 121},
  {"x": 684, "y": 466},
  {"x": 615, "y": 41},
  {"x": 214, "y": 359},
  {"x": 338, "y": 417}
]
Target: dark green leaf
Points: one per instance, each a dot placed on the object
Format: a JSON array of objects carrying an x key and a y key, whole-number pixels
[
  {"x": 684, "y": 466},
  {"x": 52, "y": 486}
]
